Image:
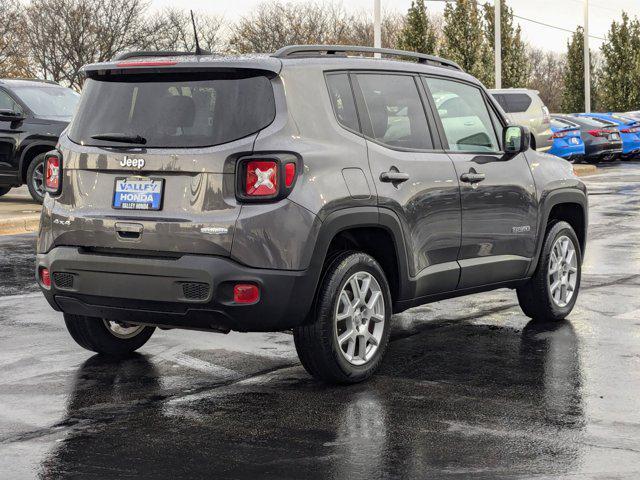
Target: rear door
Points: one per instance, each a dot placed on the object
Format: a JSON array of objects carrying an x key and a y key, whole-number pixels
[
  {"x": 151, "y": 163},
  {"x": 499, "y": 205},
  {"x": 414, "y": 177}
]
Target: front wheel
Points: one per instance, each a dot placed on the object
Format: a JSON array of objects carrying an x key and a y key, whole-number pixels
[
  {"x": 553, "y": 290},
  {"x": 107, "y": 337},
  {"x": 349, "y": 333}
]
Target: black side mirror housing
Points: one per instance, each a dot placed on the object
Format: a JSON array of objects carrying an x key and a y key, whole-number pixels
[
  {"x": 11, "y": 116},
  {"x": 515, "y": 139}
]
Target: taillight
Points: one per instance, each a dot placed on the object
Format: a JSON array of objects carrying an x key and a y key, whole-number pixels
[
  {"x": 559, "y": 134},
  {"x": 630, "y": 130},
  {"x": 546, "y": 116},
  {"x": 45, "y": 277},
  {"x": 599, "y": 133},
  {"x": 52, "y": 173},
  {"x": 269, "y": 178},
  {"x": 262, "y": 178}
]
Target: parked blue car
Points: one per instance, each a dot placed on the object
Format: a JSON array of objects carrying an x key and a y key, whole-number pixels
[
  {"x": 629, "y": 131},
  {"x": 567, "y": 141}
]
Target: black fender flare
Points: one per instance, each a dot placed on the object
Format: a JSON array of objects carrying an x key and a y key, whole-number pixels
[
  {"x": 355, "y": 217},
  {"x": 550, "y": 200}
]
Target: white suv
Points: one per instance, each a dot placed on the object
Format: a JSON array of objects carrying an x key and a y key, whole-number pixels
[{"x": 524, "y": 107}]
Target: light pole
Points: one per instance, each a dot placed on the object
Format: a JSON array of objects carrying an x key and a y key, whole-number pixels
[
  {"x": 498, "y": 42},
  {"x": 377, "y": 26},
  {"x": 587, "y": 61}
]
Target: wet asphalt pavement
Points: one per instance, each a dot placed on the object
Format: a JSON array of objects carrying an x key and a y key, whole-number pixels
[{"x": 469, "y": 387}]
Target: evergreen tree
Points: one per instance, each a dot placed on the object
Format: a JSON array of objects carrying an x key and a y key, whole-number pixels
[
  {"x": 513, "y": 51},
  {"x": 418, "y": 34},
  {"x": 464, "y": 41},
  {"x": 620, "y": 73},
  {"x": 573, "y": 93}
]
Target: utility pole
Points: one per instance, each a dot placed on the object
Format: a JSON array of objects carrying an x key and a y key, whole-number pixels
[
  {"x": 587, "y": 61},
  {"x": 497, "y": 31},
  {"x": 377, "y": 26}
]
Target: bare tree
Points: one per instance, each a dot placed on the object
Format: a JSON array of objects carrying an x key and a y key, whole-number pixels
[
  {"x": 547, "y": 75},
  {"x": 171, "y": 29},
  {"x": 64, "y": 35},
  {"x": 13, "y": 57},
  {"x": 274, "y": 24}
]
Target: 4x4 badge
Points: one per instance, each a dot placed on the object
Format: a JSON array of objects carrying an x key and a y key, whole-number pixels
[{"x": 132, "y": 162}]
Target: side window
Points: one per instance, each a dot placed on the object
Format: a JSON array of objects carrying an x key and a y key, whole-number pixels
[
  {"x": 342, "y": 101},
  {"x": 518, "y": 102},
  {"x": 465, "y": 118},
  {"x": 7, "y": 103},
  {"x": 395, "y": 111}
]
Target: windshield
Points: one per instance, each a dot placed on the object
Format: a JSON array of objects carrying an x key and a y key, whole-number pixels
[
  {"x": 49, "y": 101},
  {"x": 179, "y": 111}
]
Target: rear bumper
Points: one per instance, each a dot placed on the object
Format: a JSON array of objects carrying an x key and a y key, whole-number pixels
[{"x": 192, "y": 291}]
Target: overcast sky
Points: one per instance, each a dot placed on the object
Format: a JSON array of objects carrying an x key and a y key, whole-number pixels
[{"x": 566, "y": 14}]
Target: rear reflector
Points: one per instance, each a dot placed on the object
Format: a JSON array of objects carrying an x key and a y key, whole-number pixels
[
  {"x": 245, "y": 293},
  {"x": 52, "y": 173},
  {"x": 262, "y": 178},
  {"x": 45, "y": 277}
]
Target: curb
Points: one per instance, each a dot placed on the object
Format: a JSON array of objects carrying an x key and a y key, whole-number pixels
[
  {"x": 23, "y": 224},
  {"x": 582, "y": 170}
]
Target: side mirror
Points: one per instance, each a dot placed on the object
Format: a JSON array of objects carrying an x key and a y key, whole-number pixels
[
  {"x": 516, "y": 139},
  {"x": 10, "y": 116}
]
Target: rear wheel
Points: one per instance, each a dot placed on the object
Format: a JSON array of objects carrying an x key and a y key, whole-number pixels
[
  {"x": 350, "y": 330},
  {"x": 35, "y": 178},
  {"x": 107, "y": 337},
  {"x": 4, "y": 190},
  {"x": 552, "y": 291}
]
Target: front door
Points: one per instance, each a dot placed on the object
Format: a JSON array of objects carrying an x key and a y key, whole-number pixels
[
  {"x": 414, "y": 177},
  {"x": 498, "y": 196}
]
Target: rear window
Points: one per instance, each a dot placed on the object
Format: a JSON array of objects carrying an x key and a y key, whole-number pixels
[
  {"x": 173, "y": 112},
  {"x": 513, "y": 102}
]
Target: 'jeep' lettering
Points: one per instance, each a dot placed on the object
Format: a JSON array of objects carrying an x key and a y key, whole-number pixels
[{"x": 129, "y": 162}]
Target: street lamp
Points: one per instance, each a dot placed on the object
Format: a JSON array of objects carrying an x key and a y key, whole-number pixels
[{"x": 377, "y": 26}]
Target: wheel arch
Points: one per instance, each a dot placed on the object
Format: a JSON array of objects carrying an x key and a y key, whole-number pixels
[
  {"x": 374, "y": 231},
  {"x": 569, "y": 205},
  {"x": 31, "y": 152}
]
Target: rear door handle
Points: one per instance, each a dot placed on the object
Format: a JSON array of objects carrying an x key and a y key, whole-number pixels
[
  {"x": 472, "y": 177},
  {"x": 394, "y": 177}
]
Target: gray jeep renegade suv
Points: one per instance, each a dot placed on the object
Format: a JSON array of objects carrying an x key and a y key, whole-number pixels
[{"x": 306, "y": 190}]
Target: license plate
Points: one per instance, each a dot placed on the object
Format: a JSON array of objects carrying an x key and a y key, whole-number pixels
[
  {"x": 574, "y": 140},
  {"x": 614, "y": 136},
  {"x": 138, "y": 193}
]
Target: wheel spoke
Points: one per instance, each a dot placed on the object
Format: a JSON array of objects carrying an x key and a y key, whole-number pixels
[
  {"x": 377, "y": 317},
  {"x": 351, "y": 348},
  {"x": 355, "y": 288},
  {"x": 375, "y": 298},
  {"x": 554, "y": 286},
  {"x": 366, "y": 282},
  {"x": 345, "y": 336},
  {"x": 372, "y": 340}
]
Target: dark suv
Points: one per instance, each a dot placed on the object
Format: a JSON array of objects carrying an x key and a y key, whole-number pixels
[
  {"x": 33, "y": 113},
  {"x": 306, "y": 190}
]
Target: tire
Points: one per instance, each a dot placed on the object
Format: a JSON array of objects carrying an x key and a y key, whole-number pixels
[
  {"x": 317, "y": 342},
  {"x": 532, "y": 142},
  {"x": 535, "y": 297},
  {"x": 36, "y": 168},
  {"x": 93, "y": 334},
  {"x": 4, "y": 190}
]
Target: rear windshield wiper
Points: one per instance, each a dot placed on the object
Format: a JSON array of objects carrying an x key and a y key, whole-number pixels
[{"x": 120, "y": 137}]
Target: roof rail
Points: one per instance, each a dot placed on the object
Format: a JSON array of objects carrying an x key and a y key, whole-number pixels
[
  {"x": 150, "y": 53},
  {"x": 297, "y": 51}
]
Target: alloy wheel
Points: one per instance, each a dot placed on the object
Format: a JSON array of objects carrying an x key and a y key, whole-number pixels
[
  {"x": 563, "y": 271},
  {"x": 359, "y": 318},
  {"x": 122, "y": 330}
]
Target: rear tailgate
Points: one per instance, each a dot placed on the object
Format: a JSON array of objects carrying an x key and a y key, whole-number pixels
[{"x": 149, "y": 160}]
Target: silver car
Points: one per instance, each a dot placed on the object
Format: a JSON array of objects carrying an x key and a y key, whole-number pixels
[{"x": 524, "y": 107}]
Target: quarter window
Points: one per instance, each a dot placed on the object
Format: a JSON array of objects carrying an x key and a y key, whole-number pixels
[
  {"x": 344, "y": 106},
  {"x": 464, "y": 115},
  {"x": 395, "y": 111}
]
